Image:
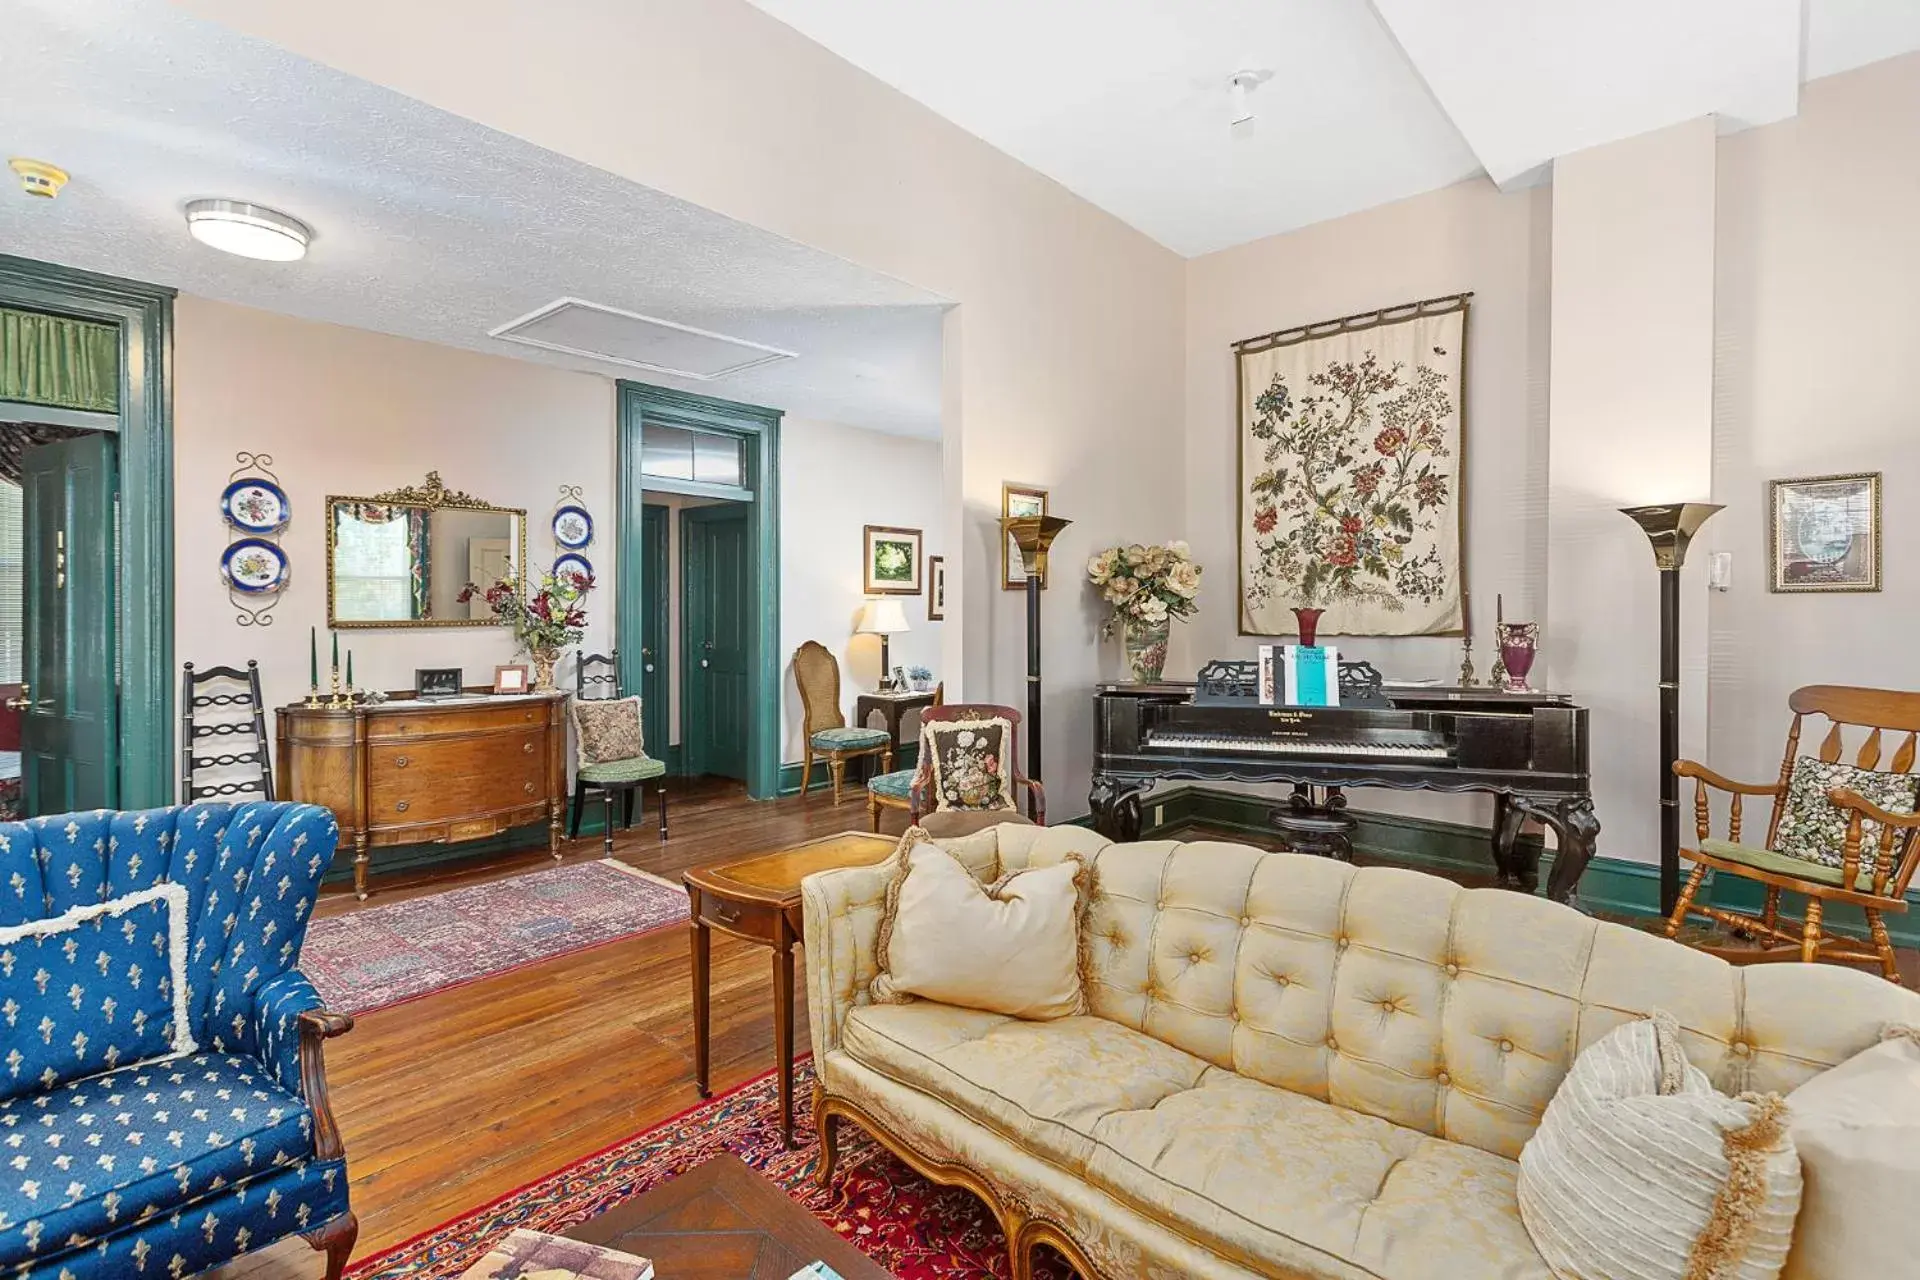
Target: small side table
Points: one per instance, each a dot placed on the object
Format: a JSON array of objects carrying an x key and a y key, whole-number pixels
[
  {"x": 758, "y": 899},
  {"x": 890, "y": 705}
]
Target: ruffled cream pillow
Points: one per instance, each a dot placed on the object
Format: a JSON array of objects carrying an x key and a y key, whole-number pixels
[
  {"x": 1857, "y": 1128},
  {"x": 1642, "y": 1170},
  {"x": 1011, "y": 947}
]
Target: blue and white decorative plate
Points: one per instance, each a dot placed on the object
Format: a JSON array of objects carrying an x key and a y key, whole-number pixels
[
  {"x": 257, "y": 505},
  {"x": 572, "y": 562},
  {"x": 255, "y": 566},
  {"x": 572, "y": 527}
]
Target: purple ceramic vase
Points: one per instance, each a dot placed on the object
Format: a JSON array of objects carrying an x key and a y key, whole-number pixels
[{"x": 1519, "y": 643}]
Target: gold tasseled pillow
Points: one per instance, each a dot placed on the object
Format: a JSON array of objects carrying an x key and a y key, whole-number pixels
[{"x": 1012, "y": 947}]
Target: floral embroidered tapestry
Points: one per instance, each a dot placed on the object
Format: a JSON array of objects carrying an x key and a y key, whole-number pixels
[{"x": 1350, "y": 448}]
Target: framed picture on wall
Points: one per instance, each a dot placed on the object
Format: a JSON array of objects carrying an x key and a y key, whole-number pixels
[
  {"x": 936, "y": 588},
  {"x": 1823, "y": 533},
  {"x": 1017, "y": 500},
  {"x": 890, "y": 561}
]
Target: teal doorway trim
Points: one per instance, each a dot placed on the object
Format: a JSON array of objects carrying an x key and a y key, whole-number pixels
[
  {"x": 758, "y": 429},
  {"x": 144, "y": 314}
]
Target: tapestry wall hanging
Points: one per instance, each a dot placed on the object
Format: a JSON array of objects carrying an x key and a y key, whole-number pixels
[{"x": 1351, "y": 450}]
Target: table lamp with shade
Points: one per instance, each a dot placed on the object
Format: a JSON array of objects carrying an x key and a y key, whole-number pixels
[{"x": 883, "y": 618}]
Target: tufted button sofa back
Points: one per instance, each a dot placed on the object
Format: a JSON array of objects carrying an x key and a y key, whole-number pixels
[
  {"x": 252, "y": 873},
  {"x": 1399, "y": 994}
]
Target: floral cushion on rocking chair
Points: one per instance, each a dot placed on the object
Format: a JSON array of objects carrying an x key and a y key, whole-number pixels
[{"x": 1814, "y": 828}]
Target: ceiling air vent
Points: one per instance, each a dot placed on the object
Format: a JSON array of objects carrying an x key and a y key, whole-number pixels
[{"x": 598, "y": 332}]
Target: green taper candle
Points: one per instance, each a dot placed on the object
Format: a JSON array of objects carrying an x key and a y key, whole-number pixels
[
  {"x": 349, "y": 668},
  {"x": 336, "y": 650},
  {"x": 313, "y": 657}
]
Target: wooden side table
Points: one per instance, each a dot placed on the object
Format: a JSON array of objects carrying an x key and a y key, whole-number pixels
[
  {"x": 758, "y": 899},
  {"x": 890, "y": 705}
]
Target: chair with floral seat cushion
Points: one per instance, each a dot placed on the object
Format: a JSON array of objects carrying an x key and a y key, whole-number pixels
[
  {"x": 1838, "y": 831},
  {"x": 827, "y": 733},
  {"x": 895, "y": 790},
  {"x": 610, "y": 753},
  {"x": 969, "y": 777}
]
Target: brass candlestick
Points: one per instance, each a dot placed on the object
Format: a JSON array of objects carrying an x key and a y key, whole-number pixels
[
  {"x": 1467, "y": 678},
  {"x": 340, "y": 700},
  {"x": 313, "y": 698}
]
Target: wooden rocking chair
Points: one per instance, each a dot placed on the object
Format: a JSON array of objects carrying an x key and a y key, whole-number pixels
[{"x": 1890, "y": 862}]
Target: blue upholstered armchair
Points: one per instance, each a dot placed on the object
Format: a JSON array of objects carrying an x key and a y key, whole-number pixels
[{"x": 160, "y": 1139}]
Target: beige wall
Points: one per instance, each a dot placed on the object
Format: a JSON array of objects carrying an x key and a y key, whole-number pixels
[
  {"x": 1631, "y": 423},
  {"x": 351, "y": 412},
  {"x": 1464, "y": 237},
  {"x": 1817, "y": 334},
  {"x": 1063, "y": 354}
]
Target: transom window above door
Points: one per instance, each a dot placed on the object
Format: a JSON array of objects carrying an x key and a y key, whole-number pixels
[{"x": 684, "y": 460}]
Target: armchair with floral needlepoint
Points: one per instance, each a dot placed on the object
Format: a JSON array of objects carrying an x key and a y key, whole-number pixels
[
  {"x": 968, "y": 776},
  {"x": 1838, "y": 831}
]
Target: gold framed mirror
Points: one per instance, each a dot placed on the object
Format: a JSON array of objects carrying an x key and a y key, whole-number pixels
[{"x": 402, "y": 558}]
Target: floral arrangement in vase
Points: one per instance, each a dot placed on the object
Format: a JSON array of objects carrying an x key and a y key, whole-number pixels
[
  {"x": 544, "y": 621},
  {"x": 1148, "y": 586}
]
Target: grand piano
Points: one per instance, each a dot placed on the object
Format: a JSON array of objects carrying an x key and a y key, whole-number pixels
[{"x": 1528, "y": 750}]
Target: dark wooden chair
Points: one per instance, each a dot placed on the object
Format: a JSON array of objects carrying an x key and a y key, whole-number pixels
[
  {"x": 1873, "y": 877},
  {"x": 924, "y": 809},
  {"x": 827, "y": 732},
  {"x": 595, "y": 678},
  {"x": 223, "y": 735}
]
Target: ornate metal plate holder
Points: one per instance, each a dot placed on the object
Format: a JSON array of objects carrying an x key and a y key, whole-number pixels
[{"x": 254, "y": 606}]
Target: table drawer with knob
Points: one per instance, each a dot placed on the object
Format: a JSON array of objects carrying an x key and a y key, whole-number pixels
[{"x": 759, "y": 920}]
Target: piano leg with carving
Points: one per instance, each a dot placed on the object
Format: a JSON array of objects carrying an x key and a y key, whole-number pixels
[
  {"x": 1576, "y": 831},
  {"x": 1116, "y": 806},
  {"x": 1517, "y": 870}
]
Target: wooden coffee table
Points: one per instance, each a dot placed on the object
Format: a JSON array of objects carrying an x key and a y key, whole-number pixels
[
  {"x": 758, "y": 899},
  {"x": 723, "y": 1221}
]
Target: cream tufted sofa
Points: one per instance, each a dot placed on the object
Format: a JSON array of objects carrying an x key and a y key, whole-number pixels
[{"x": 1291, "y": 1067}]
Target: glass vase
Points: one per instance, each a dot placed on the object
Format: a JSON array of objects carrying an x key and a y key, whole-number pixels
[{"x": 1146, "y": 645}]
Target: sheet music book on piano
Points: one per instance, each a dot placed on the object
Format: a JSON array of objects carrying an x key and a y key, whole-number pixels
[{"x": 1269, "y": 675}]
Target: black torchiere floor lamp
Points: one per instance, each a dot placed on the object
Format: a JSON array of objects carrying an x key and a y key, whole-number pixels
[
  {"x": 1033, "y": 535},
  {"x": 1670, "y": 528}
]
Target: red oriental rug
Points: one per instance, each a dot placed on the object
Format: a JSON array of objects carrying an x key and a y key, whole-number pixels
[
  {"x": 913, "y": 1228},
  {"x": 381, "y": 956}
]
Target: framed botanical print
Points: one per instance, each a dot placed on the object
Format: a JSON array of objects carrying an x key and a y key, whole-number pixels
[
  {"x": 1017, "y": 500},
  {"x": 890, "y": 562},
  {"x": 1823, "y": 533},
  {"x": 936, "y": 588}
]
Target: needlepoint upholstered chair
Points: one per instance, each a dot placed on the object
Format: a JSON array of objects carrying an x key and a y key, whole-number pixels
[
  {"x": 609, "y": 743},
  {"x": 895, "y": 790},
  {"x": 1838, "y": 831},
  {"x": 828, "y": 734},
  {"x": 934, "y": 808}
]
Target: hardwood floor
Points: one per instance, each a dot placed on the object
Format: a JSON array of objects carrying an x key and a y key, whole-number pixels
[{"x": 459, "y": 1097}]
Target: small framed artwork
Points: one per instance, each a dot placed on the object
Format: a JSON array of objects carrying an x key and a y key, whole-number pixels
[
  {"x": 1824, "y": 533},
  {"x": 436, "y": 682},
  {"x": 515, "y": 677},
  {"x": 936, "y": 588},
  {"x": 890, "y": 561},
  {"x": 1018, "y": 500}
]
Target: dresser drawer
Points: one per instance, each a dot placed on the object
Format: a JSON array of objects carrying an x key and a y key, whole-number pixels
[
  {"x": 452, "y": 777},
  {"x": 404, "y": 726}
]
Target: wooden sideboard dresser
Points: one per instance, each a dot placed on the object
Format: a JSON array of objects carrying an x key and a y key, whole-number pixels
[{"x": 441, "y": 771}]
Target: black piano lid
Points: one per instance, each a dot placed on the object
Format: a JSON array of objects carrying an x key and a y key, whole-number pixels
[{"x": 1412, "y": 696}]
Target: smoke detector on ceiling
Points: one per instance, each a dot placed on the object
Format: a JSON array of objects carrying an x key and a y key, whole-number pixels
[
  {"x": 1240, "y": 87},
  {"x": 38, "y": 178},
  {"x": 599, "y": 332}
]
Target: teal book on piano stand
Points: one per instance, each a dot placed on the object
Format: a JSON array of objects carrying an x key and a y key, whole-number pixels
[{"x": 1312, "y": 675}]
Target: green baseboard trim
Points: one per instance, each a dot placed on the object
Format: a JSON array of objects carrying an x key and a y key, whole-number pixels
[
  {"x": 1611, "y": 886},
  {"x": 905, "y": 758}
]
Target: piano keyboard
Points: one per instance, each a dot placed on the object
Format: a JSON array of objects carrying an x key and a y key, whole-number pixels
[{"x": 1166, "y": 740}]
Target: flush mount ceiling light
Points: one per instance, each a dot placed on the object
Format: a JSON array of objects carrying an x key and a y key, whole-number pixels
[
  {"x": 250, "y": 230},
  {"x": 1240, "y": 87}
]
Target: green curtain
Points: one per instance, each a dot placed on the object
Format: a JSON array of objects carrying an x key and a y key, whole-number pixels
[{"x": 59, "y": 361}]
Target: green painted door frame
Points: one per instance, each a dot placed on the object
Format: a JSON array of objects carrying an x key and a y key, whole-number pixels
[
  {"x": 144, "y": 314},
  {"x": 759, "y": 430},
  {"x": 655, "y": 699}
]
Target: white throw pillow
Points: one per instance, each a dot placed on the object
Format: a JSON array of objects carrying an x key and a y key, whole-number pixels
[
  {"x": 1857, "y": 1128},
  {"x": 1641, "y": 1170},
  {"x": 1012, "y": 947}
]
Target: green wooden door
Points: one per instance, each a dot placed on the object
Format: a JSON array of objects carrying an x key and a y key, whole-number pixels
[
  {"x": 68, "y": 731},
  {"x": 655, "y": 523},
  {"x": 716, "y": 587}
]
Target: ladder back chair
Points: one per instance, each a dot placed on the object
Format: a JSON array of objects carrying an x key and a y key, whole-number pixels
[
  {"x": 1840, "y": 829},
  {"x": 895, "y": 790},
  {"x": 925, "y": 809},
  {"x": 828, "y": 735},
  {"x": 596, "y": 680},
  {"x": 223, "y": 735}
]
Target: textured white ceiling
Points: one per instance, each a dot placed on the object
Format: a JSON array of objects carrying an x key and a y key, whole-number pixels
[
  {"x": 427, "y": 225},
  {"x": 1125, "y": 101}
]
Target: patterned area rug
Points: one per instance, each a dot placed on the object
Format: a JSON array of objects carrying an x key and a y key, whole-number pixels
[
  {"x": 380, "y": 956},
  {"x": 908, "y": 1225}
]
